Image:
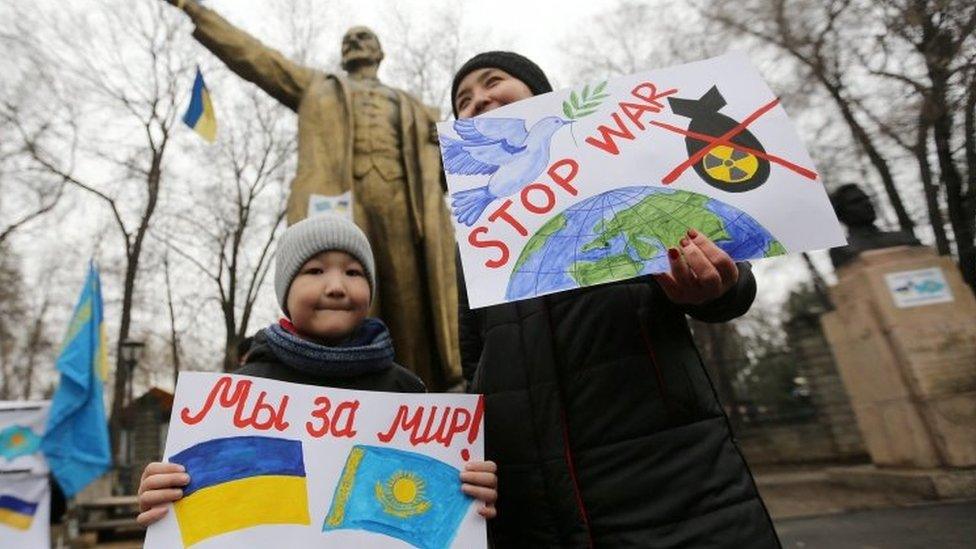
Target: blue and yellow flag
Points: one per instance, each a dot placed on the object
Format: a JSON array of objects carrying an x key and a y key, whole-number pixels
[
  {"x": 16, "y": 513},
  {"x": 201, "y": 115},
  {"x": 76, "y": 442},
  {"x": 241, "y": 482},
  {"x": 401, "y": 494}
]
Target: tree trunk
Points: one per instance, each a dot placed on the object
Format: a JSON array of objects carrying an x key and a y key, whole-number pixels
[
  {"x": 921, "y": 151},
  {"x": 173, "y": 341},
  {"x": 133, "y": 253},
  {"x": 874, "y": 155},
  {"x": 962, "y": 227}
]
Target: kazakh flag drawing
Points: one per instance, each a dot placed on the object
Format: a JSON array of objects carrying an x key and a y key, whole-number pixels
[
  {"x": 241, "y": 482},
  {"x": 76, "y": 442},
  {"x": 17, "y": 440},
  {"x": 200, "y": 115},
  {"x": 405, "y": 495}
]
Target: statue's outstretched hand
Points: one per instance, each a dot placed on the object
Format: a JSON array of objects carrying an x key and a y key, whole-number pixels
[{"x": 700, "y": 271}]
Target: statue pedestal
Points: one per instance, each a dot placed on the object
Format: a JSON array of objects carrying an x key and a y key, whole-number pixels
[{"x": 904, "y": 338}]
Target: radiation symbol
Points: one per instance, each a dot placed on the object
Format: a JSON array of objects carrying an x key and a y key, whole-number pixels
[
  {"x": 729, "y": 165},
  {"x": 724, "y": 167}
]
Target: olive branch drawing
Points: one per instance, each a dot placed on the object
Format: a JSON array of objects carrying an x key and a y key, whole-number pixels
[{"x": 584, "y": 103}]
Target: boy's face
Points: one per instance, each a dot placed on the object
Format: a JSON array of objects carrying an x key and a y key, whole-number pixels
[
  {"x": 486, "y": 89},
  {"x": 329, "y": 297}
]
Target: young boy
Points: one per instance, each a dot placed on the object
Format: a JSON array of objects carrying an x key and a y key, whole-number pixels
[
  {"x": 598, "y": 411},
  {"x": 324, "y": 281}
]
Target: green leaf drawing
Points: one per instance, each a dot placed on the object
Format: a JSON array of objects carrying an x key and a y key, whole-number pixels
[
  {"x": 567, "y": 109},
  {"x": 585, "y": 102}
]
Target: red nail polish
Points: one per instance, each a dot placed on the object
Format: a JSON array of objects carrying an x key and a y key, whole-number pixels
[
  {"x": 692, "y": 233},
  {"x": 673, "y": 253}
]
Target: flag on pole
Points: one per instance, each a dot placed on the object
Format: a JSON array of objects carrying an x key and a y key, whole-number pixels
[
  {"x": 200, "y": 116},
  {"x": 76, "y": 442}
]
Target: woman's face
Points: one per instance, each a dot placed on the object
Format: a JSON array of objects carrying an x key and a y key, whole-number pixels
[{"x": 486, "y": 89}]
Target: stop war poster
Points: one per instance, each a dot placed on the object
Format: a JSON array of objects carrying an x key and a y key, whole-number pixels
[{"x": 594, "y": 183}]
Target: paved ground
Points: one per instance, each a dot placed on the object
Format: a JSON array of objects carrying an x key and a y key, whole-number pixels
[
  {"x": 792, "y": 492},
  {"x": 935, "y": 526}
]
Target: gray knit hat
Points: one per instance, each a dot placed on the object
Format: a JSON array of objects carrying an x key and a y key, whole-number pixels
[{"x": 317, "y": 234}]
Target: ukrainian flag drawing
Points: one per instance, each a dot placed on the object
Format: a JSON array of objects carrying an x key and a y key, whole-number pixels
[
  {"x": 404, "y": 495},
  {"x": 241, "y": 482},
  {"x": 16, "y": 513},
  {"x": 201, "y": 115}
]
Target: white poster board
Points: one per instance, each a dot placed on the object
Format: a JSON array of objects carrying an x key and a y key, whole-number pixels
[
  {"x": 25, "y": 494},
  {"x": 593, "y": 184},
  {"x": 341, "y": 204},
  {"x": 275, "y": 464},
  {"x": 918, "y": 287}
]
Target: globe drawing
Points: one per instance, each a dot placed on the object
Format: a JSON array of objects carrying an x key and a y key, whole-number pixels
[{"x": 626, "y": 232}]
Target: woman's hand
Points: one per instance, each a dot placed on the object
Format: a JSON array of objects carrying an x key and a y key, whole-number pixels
[{"x": 700, "y": 271}]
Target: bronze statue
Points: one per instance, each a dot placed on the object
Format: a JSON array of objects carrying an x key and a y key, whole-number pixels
[
  {"x": 854, "y": 209},
  {"x": 356, "y": 133}
]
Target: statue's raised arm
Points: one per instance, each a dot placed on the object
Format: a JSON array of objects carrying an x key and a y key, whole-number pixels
[{"x": 280, "y": 77}]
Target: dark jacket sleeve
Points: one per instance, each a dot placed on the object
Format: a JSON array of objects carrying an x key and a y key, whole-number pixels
[
  {"x": 734, "y": 303},
  {"x": 469, "y": 328}
]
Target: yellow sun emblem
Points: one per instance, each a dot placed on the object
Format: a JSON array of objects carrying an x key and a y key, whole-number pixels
[{"x": 402, "y": 495}]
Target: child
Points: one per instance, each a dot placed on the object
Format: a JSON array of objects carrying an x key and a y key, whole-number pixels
[
  {"x": 324, "y": 281},
  {"x": 598, "y": 411}
]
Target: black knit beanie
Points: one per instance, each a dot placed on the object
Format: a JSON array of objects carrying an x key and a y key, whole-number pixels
[{"x": 517, "y": 65}]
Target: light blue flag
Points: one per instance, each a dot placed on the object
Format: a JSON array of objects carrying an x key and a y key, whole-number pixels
[
  {"x": 405, "y": 495},
  {"x": 76, "y": 443}
]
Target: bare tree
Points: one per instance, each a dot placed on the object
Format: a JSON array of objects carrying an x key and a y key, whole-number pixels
[
  {"x": 871, "y": 55},
  {"x": 230, "y": 240},
  {"x": 424, "y": 53},
  {"x": 26, "y": 97},
  {"x": 120, "y": 58},
  {"x": 820, "y": 37}
]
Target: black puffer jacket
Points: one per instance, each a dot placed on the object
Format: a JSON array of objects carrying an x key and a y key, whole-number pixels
[{"x": 604, "y": 424}]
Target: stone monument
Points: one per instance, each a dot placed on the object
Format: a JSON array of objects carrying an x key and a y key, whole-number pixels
[
  {"x": 355, "y": 133},
  {"x": 904, "y": 339}
]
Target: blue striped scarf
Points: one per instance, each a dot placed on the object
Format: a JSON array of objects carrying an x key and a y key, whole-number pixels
[{"x": 369, "y": 350}]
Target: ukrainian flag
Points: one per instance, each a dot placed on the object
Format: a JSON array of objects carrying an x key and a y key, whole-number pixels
[
  {"x": 404, "y": 495},
  {"x": 16, "y": 513},
  {"x": 200, "y": 115},
  {"x": 241, "y": 482},
  {"x": 76, "y": 442}
]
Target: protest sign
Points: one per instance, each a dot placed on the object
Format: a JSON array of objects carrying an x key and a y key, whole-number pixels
[
  {"x": 25, "y": 494},
  {"x": 275, "y": 464},
  {"x": 340, "y": 204},
  {"x": 593, "y": 184}
]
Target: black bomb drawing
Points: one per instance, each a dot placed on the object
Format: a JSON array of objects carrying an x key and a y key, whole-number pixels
[{"x": 723, "y": 167}]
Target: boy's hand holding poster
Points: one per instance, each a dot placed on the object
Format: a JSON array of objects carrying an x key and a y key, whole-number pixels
[
  {"x": 275, "y": 464},
  {"x": 594, "y": 184}
]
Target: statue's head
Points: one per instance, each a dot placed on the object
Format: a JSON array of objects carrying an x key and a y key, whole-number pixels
[
  {"x": 360, "y": 46},
  {"x": 853, "y": 205}
]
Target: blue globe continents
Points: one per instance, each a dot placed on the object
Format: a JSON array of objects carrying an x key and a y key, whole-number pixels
[{"x": 626, "y": 232}]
